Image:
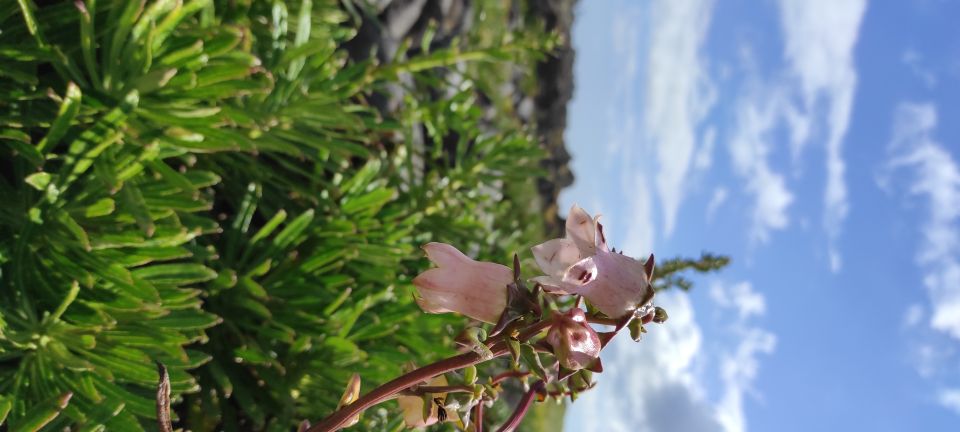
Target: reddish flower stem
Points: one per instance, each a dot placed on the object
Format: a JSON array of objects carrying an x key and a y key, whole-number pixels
[
  {"x": 478, "y": 417},
  {"x": 422, "y": 390},
  {"x": 386, "y": 391},
  {"x": 508, "y": 374},
  {"x": 603, "y": 320},
  {"x": 524, "y": 405}
]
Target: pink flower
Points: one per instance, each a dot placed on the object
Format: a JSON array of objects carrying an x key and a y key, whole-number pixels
[
  {"x": 574, "y": 342},
  {"x": 581, "y": 264},
  {"x": 459, "y": 284}
]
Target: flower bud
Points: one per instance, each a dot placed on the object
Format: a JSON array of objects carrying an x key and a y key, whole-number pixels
[
  {"x": 574, "y": 342},
  {"x": 659, "y": 315}
]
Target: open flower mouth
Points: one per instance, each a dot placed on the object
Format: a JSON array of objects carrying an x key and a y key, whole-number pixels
[{"x": 581, "y": 264}]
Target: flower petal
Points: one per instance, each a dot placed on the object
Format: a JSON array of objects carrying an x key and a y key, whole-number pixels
[
  {"x": 555, "y": 256},
  {"x": 475, "y": 289},
  {"x": 444, "y": 255},
  {"x": 552, "y": 285},
  {"x": 430, "y": 303},
  {"x": 556, "y": 286},
  {"x": 615, "y": 284},
  {"x": 581, "y": 273},
  {"x": 601, "y": 238},
  {"x": 582, "y": 229}
]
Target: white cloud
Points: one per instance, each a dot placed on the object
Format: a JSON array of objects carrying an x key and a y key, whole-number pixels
[
  {"x": 800, "y": 129},
  {"x": 652, "y": 141},
  {"x": 912, "y": 124},
  {"x": 704, "y": 157},
  {"x": 658, "y": 379},
  {"x": 913, "y": 315},
  {"x": 819, "y": 37},
  {"x": 740, "y": 367},
  {"x": 757, "y": 114},
  {"x": 914, "y": 61},
  {"x": 950, "y": 398},
  {"x": 716, "y": 200},
  {"x": 741, "y": 297},
  {"x": 936, "y": 178},
  {"x": 836, "y": 261},
  {"x": 678, "y": 95},
  {"x": 930, "y": 172},
  {"x": 625, "y": 38},
  {"x": 640, "y": 239},
  {"x": 930, "y": 357},
  {"x": 624, "y": 143}
]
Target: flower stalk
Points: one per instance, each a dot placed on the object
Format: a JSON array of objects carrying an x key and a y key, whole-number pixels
[
  {"x": 537, "y": 388},
  {"x": 422, "y": 390},
  {"x": 478, "y": 417},
  {"x": 402, "y": 383}
]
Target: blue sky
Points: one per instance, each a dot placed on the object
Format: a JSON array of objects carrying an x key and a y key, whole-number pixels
[{"x": 812, "y": 141}]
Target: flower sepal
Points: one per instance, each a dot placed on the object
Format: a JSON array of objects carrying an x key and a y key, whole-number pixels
[
  {"x": 564, "y": 373},
  {"x": 523, "y": 304},
  {"x": 350, "y": 395}
]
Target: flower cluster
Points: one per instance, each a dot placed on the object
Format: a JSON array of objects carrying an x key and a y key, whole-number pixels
[
  {"x": 577, "y": 268},
  {"x": 580, "y": 264}
]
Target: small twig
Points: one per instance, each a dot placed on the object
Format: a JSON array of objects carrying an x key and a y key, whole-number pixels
[
  {"x": 603, "y": 320},
  {"x": 422, "y": 390},
  {"x": 508, "y": 374},
  {"x": 537, "y": 388},
  {"x": 445, "y": 389},
  {"x": 478, "y": 417}
]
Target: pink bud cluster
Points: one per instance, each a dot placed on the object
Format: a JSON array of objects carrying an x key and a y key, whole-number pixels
[{"x": 579, "y": 264}]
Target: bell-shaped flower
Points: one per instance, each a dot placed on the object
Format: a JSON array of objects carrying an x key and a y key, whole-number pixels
[
  {"x": 574, "y": 342},
  {"x": 414, "y": 414},
  {"x": 459, "y": 284},
  {"x": 581, "y": 264}
]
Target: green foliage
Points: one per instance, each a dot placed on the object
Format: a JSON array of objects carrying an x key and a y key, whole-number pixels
[
  {"x": 203, "y": 183},
  {"x": 669, "y": 273}
]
